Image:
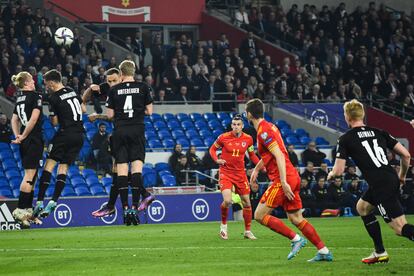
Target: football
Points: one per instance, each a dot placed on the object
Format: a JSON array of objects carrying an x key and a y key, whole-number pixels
[{"x": 64, "y": 36}]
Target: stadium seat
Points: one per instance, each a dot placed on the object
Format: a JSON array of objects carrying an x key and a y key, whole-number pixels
[
  {"x": 214, "y": 124},
  {"x": 201, "y": 124},
  {"x": 320, "y": 141},
  {"x": 88, "y": 172},
  {"x": 223, "y": 116},
  {"x": 168, "y": 117},
  {"x": 68, "y": 191},
  {"x": 173, "y": 124},
  {"x": 149, "y": 134},
  {"x": 162, "y": 166},
  {"x": 6, "y": 192},
  {"x": 197, "y": 143},
  {"x": 148, "y": 125},
  {"x": 196, "y": 116},
  {"x": 192, "y": 133},
  {"x": 183, "y": 142},
  {"x": 164, "y": 134},
  {"x": 6, "y": 154},
  {"x": 16, "y": 192},
  {"x": 14, "y": 147},
  {"x": 299, "y": 132},
  {"x": 164, "y": 172},
  {"x": 15, "y": 182},
  {"x": 12, "y": 173},
  {"x": 267, "y": 117},
  {"x": 168, "y": 180},
  {"x": 286, "y": 132},
  {"x": 107, "y": 183},
  {"x": 155, "y": 117},
  {"x": 226, "y": 123},
  {"x": 89, "y": 126},
  {"x": 155, "y": 145},
  {"x": 209, "y": 116},
  {"x": 281, "y": 124},
  {"x": 150, "y": 179},
  {"x": 208, "y": 141},
  {"x": 177, "y": 133},
  {"x": 4, "y": 146},
  {"x": 183, "y": 117},
  {"x": 186, "y": 125},
  {"x": 292, "y": 140},
  {"x": 205, "y": 133},
  {"x": 82, "y": 191},
  {"x": 217, "y": 133},
  {"x": 98, "y": 190},
  {"x": 168, "y": 143},
  {"x": 78, "y": 181},
  {"x": 304, "y": 140},
  {"x": 327, "y": 161},
  {"x": 158, "y": 125}
]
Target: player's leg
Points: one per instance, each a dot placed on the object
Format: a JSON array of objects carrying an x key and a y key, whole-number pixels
[
  {"x": 122, "y": 169},
  {"x": 307, "y": 229},
  {"x": 366, "y": 211},
  {"x": 243, "y": 190},
  {"x": 44, "y": 184},
  {"x": 224, "y": 208},
  {"x": 22, "y": 213},
  {"x": 393, "y": 214},
  {"x": 60, "y": 184},
  {"x": 109, "y": 208},
  {"x": 402, "y": 227}
]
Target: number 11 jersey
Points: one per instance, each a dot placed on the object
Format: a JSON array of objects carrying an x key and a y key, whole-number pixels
[
  {"x": 367, "y": 147},
  {"x": 129, "y": 100}
]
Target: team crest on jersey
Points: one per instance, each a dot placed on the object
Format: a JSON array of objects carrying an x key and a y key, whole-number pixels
[
  {"x": 263, "y": 135},
  {"x": 243, "y": 144}
]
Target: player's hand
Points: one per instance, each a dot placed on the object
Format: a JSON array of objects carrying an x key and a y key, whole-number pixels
[
  {"x": 95, "y": 88},
  {"x": 402, "y": 181},
  {"x": 92, "y": 117},
  {"x": 330, "y": 176},
  {"x": 18, "y": 140},
  {"x": 412, "y": 123},
  {"x": 221, "y": 162},
  {"x": 253, "y": 177},
  {"x": 288, "y": 191}
]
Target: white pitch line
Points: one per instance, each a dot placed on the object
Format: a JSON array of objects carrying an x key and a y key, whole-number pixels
[{"x": 182, "y": 248}]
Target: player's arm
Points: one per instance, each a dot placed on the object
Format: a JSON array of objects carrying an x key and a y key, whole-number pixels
[
  {"x": 252, "y": 155},
  {"x": 15, "y": 124},
  {"x": 88, "y": 92},
  {"x": 149, "y": 109},
  {"x": 281, "y": 165},
  {"x": 259, "y": 166},
  {"x": 213, "y": 151},
  {"x": 94, "y": 116},
  {"x": 31, "y": 124},
  {"x": 404, "y": 162},
  {"x": 338, "y": 169}
]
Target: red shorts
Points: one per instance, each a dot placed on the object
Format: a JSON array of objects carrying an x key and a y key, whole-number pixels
[
  {"x": 274, "y": 195},
  {"x": 239, "y": 181}
]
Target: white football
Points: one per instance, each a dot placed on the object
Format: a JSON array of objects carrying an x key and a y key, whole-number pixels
[{"x": 64, "y": 36}]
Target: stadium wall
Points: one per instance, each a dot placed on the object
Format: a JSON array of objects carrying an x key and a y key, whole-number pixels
[
  {"x": 394, "y": 125},
  {"x": 399, "y": 5},
  {"x": 212, "y": 27}
]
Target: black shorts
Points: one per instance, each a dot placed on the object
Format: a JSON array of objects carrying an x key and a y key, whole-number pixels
[
  {"x": 31, "y": 152},
  {"x": 385, "y": 194},
  {"x": 128, "y": 144},
  {"x": 66, "y": 146}
]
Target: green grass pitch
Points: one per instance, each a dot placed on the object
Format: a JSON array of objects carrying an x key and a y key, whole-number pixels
[{"x": 195, "y": 248}]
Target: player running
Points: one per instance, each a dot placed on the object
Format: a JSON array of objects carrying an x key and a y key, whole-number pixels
[
  {"x": 27, "y": 128},
  {"x": 367, "y": 147},
  {"x": 128, "y": 102},
  {"x": 66, "y": 109},
  {"x": 234, "y": 145},
  {"x": 285, "y": 187}
]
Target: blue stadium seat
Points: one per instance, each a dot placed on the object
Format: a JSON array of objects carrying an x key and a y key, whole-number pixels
[
  {"x": 15, "y": 147},
  {"x": 173, "y": 124},
  {"x": 78, "y": 181},
  {"x": 168, "y": 143},
  {"x": 90, "y": 134},
  {"x": 160, "y": 125},
  {"x": 148, "y": 166},
  {"x": 6, "y": 154},
  {"x": 320, "y": 141},
  {"x": 214, "y": 124},
  {"x": 88, "y": 172},
  {"x": 281, "y": 124},
  {"x": 192, "y": 133},
  {"x": 209, "y": 116},
  {"x": 155, "y": 144},
  {"x": 292, "y": 140},
  {"x": 6, "y": 192},
  {"x": 327, "y": 161},
  {"x": 12, "y": 173},
  {"x": 150, "y": 134},
  {"x": 164, "y": 172},
  {"x": 107, "y": 183},
  {"x": 208, "y": 141},
  {"x": 183, "y": 142},
  {"x": 299, "y": 132},
  {"x": 50, "y": 191},
  {"x": 267, "y": 117},
  {"x": 148, "y": 125},
  {"x": 304, "y": 140},
  {"x": 177, "y": 133},
  {"x": 4, "y": 146},
  {"x": 223, "y": 116},
  {"x": 201, "y": 124},
  {"x": 168, "y": 180},
  {"x": 4, "y": 183},
  {"x": 164, "y": 134},
  {"x": 98, "y": 190},
  {"x": 183, "y": 117},
  {"x": 205, "y": 133},
  {"x": 16, "y": 192},
  {"x": 217, "y": 133},
  {"x": 162, "y": 166},
  {"x": 150, "y": 179},
  {"x": 82, "y": 191},
  {"x": 155, "y": 117},
  {"x": 226, "y": 123},
  {"x": 15, "y": 182},
  {"x": 168, "y": 117},
  {"x": 68, "y": 191},
  {"x": 186, "y": 125},
  {"x": 197, "y": 142},
  {"x": 196, "y": 116},
  {"x": 286, "y": 132},
  {"x": 89, "y": 126}
]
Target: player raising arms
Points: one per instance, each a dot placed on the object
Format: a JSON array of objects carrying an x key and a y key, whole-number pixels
[
  {"x": 128, "y": 102},
  {"x": 367, "y": 147},
  {"x": 66, "y": 109},
  {"x": 234, "y": 145},
  {"x": 27, "y": 128},
  {"x": 285, "y": 187}
]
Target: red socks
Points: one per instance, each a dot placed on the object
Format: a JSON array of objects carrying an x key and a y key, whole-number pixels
[
  {"x": 224, "y": 214},
  {"x": 278, "y": 226},
  {"x": 247, "y": 216},
  {"x": 310, "y": 233}
]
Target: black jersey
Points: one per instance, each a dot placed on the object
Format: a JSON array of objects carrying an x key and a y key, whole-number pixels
[
  {"x": 66, "y": 105},
  {"x": 26, "y": 102},
  {"x": 128, "y": 100},
  {"x": 367, "y": 147}
]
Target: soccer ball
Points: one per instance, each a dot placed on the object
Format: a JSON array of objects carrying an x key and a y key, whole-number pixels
[{"x": 63, "y": 36}]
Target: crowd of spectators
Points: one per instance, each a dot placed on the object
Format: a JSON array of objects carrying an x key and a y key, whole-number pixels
[{"x": 366, "y": 54}]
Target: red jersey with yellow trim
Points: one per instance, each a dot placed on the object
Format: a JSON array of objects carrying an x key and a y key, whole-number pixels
[
  {"x": 233, "y": 151},
  {"x": 269, "y": 137}
]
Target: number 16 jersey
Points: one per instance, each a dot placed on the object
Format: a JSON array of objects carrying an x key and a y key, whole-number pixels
[{"x": 128, "y": 100}]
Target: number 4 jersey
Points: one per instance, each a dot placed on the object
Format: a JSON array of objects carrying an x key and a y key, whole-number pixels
[
  {"x": 129, "y": 100},
  {"x": 66, "y": 105},
  {"x": 25, "y": 104},
  {"x": 367, "y": 147}
]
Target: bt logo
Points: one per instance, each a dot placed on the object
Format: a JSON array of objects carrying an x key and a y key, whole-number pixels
[
  {"x": 156, "y": 211},
  {"x": 63, "y": 214},
  {"x": 200, "y": 209}
]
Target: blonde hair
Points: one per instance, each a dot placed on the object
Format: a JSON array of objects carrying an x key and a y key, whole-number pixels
[
  {"x": 127, "y": 68},
  {"x": 20, "y": 79},
  {"x": 354, "y": 109}
]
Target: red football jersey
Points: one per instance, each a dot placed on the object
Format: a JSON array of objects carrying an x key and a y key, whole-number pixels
[
  {"x": 234, "y": 150},
  {"x": 268, "y": 137}
]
